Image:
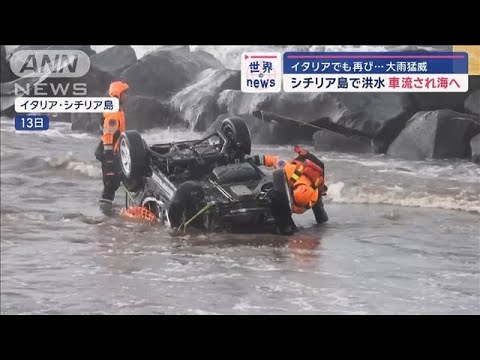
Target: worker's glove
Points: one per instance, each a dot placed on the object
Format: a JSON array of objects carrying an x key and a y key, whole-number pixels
[
  {"x": 256, "y": 159},
  {"x": 324, "y": 190}
]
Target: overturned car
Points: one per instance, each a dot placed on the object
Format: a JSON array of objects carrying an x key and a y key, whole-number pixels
[{"x": 209, "y": 183}]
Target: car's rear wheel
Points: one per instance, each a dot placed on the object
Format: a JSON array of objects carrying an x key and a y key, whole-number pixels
[
  {"x": 280, "y": 185},
  {"x": 282, "y": 203},
  {"x": 187, "y": 201},
  {"x": 133, "y": 160},
  {"x": 238, "y": 134}
]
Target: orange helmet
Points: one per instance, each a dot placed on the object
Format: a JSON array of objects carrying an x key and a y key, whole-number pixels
[{"x": 116, "y": 88}]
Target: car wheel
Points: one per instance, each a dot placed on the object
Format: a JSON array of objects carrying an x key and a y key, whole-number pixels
[
  {"x": 133, "y": 160},
  {"x": 237, "y": 132},
  {"x": 280, "y": 186},
  {"x": 187, "y": 201}
]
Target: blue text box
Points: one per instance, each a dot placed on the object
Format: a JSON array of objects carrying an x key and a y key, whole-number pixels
[
  {"x": 31, "y": 122},
  {"x": 375, "y": 63}
]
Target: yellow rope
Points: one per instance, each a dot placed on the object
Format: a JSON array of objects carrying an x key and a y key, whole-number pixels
[
  {"x": 201, "y": 211},
  {"x": 130, "y": 195}
]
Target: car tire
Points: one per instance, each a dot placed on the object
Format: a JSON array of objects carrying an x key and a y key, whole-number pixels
[
  {"x": 133, "y": 157},
  {"x": 280, "y": 186},
  {"x": 281, "y": 204},
  {"x": 237, "y": 131},
  {"x": 186, "y": 202}
]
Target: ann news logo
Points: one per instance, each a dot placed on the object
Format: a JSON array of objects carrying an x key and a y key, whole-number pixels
[{"x": 261, "y": 72}]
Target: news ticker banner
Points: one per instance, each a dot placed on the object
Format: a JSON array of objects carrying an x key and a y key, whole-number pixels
[{"x": 356, "y": 72}]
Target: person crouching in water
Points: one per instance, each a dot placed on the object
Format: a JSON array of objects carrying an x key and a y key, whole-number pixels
[
  {"x": 112, "y": 125},
  {"x": 306, "y": 183}
]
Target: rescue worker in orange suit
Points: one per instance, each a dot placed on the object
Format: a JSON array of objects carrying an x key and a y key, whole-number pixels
[
  {"x": 306, "y": 182},
  {"x": 112, "y": 125}
]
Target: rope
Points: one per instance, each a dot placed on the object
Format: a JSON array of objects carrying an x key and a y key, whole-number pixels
[
  {"x": 130, "y": 195},
  {"x": 201, "y": 211}
]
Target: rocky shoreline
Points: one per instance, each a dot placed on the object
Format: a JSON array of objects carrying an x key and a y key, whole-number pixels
[{"x": 177, "y": 87}]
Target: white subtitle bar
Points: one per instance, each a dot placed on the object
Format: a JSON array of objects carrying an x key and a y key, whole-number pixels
[
  {"x": 375, "y": 83},
  {"x": 40, "y": 105}
]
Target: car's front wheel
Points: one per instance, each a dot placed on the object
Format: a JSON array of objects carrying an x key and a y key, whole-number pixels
[
  {"x": 187, "y": 201},
  {"x": 133, "y": 160}
]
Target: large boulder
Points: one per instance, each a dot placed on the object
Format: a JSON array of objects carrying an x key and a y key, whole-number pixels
[
  {"x": 141, "y": 113},
  {"x": 434, "y": 101},
  {"x": 164, "y": 72},
  {"x": 475, "y": 147},
  {"x": 377, "y": 116},
  {"x": 436, "y": 134},
  {"x": 326, "y": 140},
  {"x": 456, "y": 101},
  {"x": 9, "y": 91},
  {"x": 6, "y": 73},
  {"x": 88, "y": 122},
  {"x": 262, "y": 132},
  {"x": 87, "y": 49},
  {"x": 197, "y": 103},
  {"x": 144, "y": 112},
  {"x": 96, "y": 80},
  {"x": 472, "y": 103},
  {"x": 296, "y": 131},
  {"x": 231, "y": 55},
  {"x": 114, "y": 60}
]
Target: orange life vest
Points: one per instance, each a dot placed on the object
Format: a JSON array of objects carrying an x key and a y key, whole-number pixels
[
  {"x": 113, "y": 126},
  {"x": 304, "y": 181},
  {"x": 311, "y": 170}
]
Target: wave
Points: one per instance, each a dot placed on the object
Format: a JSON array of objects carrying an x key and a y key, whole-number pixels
[
  {"x": 56, "y": 130},
  {"x": 362, "y": 194},
  {"x": 68, "y": 162},
  {"x": 38, "y": 163},
  {"x": 451, "y": 169}
]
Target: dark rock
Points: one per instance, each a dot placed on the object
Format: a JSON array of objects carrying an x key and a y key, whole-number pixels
[
  {"x": 114, "y": 60},
  {"x": 87, "y": 49},
  {"x": 472, "y": 103},
  {"x": 11, "y": 90},
  {"x": 197, "y": 103},
  {"x": 6, "y": 73},
  {"x": 143, "y": 112},
  {"x": 436, "y": 134},
  {"x": 475, "y": 147},
  {"x": 60, "y": 117},
  {"x": 377, "y": 116},
  {"x": 307, "y": 128},
  {"x": 452, "y": 100},
  {"x": 265, "y": 132},
  {"x": 435, "y": 101},
  {"x": 326, "y": 140},
  {"x": 163, "y": 73},
  {"x": 97, "y": 82},
  {"x": 89, "y": 122}
]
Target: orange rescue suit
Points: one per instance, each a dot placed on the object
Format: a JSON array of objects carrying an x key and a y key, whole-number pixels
[
  {"x": 304, "y": 180},
  {"x": 113, "y": 126}
]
